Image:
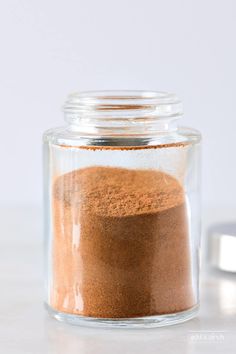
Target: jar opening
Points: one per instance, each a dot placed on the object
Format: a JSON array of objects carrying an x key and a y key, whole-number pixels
[{"x": 117, "y": 110}]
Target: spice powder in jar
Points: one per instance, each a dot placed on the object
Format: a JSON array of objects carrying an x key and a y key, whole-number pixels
[
  {"x": 121, "y": 244},
  {"x": 122, "y": 211}
]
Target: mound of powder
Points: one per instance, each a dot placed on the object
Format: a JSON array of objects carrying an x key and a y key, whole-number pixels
[{"x": 120, "y": 244}]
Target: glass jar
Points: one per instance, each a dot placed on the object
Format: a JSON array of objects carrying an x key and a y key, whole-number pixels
[{"x": 122, "y": 218}]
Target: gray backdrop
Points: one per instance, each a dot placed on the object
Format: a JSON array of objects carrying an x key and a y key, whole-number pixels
[{"x": 50, "y": 48}]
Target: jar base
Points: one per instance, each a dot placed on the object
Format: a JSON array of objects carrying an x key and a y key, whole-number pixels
[{"x": 136, "y": 322}]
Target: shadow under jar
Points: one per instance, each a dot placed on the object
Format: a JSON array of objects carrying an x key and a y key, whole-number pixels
[{"x": 122, "y": 218}]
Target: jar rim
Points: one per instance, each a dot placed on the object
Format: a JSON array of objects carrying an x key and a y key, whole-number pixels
[
  {"x": 109, "y": 100},
  {"x": 123, "y": 109},
  {"x": 158, "y": 96}
]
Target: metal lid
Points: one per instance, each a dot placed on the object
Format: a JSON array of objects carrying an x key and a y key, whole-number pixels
[{"x": 222, "y": 246}]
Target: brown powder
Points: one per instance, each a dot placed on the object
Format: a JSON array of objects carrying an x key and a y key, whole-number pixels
[
  {"x": 131, "y": 147},
  {"x": 120, "y": 244}
]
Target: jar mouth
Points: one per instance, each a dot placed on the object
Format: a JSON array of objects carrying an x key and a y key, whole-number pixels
[{"x": 122, "y": 109}]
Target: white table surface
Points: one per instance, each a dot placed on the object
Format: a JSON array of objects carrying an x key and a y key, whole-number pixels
[{"x": 26, "y": 328}]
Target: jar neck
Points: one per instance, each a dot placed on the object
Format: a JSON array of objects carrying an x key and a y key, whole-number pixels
[{"x": 122, "y": 113}]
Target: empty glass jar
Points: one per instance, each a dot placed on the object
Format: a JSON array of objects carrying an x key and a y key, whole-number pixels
[{"x": 122, "y": 218}]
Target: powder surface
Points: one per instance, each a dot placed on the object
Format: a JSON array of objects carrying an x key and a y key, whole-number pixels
[
  {"x": 120, "y": 244},
  {"x": 119, "y": 192}
]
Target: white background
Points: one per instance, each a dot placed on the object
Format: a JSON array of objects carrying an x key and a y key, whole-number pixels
[{"x": 50, "y": 48}]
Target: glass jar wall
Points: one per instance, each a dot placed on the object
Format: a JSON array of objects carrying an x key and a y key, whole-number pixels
[{"x": 122, "y": 218}]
